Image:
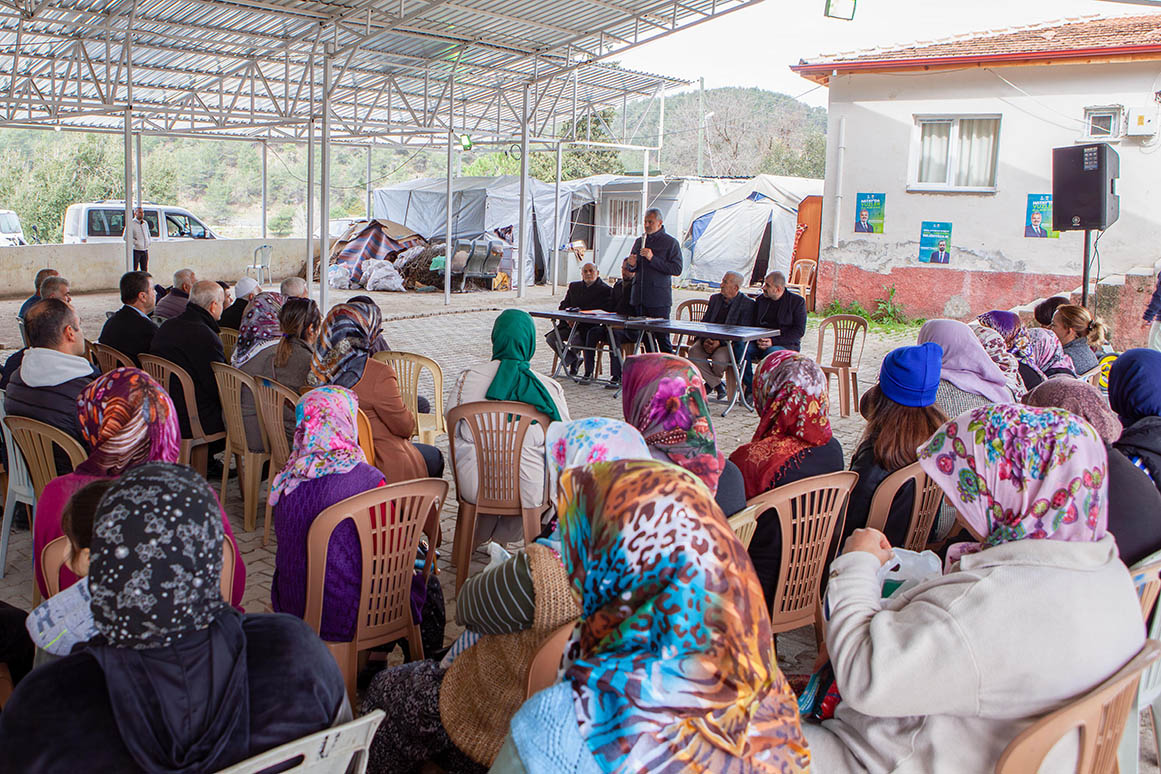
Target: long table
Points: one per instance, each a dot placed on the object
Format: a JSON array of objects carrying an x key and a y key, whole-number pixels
[{"x": 654, "y": 327}]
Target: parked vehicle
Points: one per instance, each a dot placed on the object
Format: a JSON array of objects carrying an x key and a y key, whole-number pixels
[
  {"x": 104, "y": 221},
  {"x": 11, "y": 233}
]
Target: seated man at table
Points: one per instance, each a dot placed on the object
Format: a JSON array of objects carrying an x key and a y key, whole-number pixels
[
  {"x": 589, "y": 293},
  {"x": 621, "y": 302},
  {"x": 728, "y": 307},
  {"x": 777, "y": 309}
]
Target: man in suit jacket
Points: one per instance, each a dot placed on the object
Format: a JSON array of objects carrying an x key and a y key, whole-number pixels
[
  {"x": 728, "y": 307},
  {"x": 779, "y": 309},
  {"x": 863, "y": 225},
  {"x": 1034, "y": 229},
  {"x": 940, "y": 254},
  {"x": 173, "y": 303},
  {"x": 656, "y": 259},
  {"x": 191, "y": 340},
  {"x": 620, "y": 302},
  {"x": 589, "y": 293},
  {"x": 129, "y": 330}
]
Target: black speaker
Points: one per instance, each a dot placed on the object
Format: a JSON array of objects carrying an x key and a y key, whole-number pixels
[{"x": 1084, "y": 193}]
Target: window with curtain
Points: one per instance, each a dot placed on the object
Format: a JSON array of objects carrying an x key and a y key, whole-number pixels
[{"x": 958, "y": 152}]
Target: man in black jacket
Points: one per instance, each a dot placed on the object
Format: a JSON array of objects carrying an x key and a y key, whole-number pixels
[
  {"x": 129, "y": 330},
  {"x": 776, "y": 308},
  {"x": 54, "y": 370},
  {"x": 728, "y": 307},
  {"x": 589, "y": 293},
  {"x": 620, "y": 302},
  {"x": 656, "y": 258},
  {"x": 191, "y": 341},
  {"x": 244, "y": 291}
]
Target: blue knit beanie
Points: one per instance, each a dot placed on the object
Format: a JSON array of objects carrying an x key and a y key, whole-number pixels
[{"x": 910, "y": 375}]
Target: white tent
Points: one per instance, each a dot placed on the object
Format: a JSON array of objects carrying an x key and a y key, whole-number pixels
[{"x": 726, "y": 234}]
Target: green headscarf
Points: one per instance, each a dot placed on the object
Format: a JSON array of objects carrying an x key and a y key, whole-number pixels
[{"x": 513, "y": 344}]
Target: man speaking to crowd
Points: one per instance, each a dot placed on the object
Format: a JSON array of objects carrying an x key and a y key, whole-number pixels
[{"x": 655, "y": 258}]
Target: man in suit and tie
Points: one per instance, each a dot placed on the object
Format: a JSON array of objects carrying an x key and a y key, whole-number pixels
[
  {"x": 729, "y": 307},
  {"x": 129, "y": 330},
  {"x": 864, "y": 226},
  {"x": 940, "y": 254},
  {"x": 655, "y": 259},
  {"x": 1034, "y": 229}
]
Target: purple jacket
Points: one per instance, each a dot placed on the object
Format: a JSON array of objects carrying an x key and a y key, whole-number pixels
[{"x": 1153, "y": 310}]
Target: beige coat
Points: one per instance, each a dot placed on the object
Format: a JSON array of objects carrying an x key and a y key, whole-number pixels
[{"x": 943, "y": 678}]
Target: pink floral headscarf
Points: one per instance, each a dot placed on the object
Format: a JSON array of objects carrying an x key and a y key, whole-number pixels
[
  {"x": 663, "y": 396},
  {"x": 1044, "y": 352},
  {"x": 326, "y": 439},
  {"x": 1020, "y": 473},
  {"x": 993, "y": 344},
  {"x": 589, "y": 440}
]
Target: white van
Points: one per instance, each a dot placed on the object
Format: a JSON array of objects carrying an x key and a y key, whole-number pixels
[
  {"x": 105, "y": 222},
  {"x": 11, "y": 234}
]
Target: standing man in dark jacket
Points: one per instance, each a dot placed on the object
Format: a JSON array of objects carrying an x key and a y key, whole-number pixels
[
  {"x": 191, "y": 341},
  {"x": 776, "y": 308},
  {"x": 620, "y": 302},
  {"x": 589, "y": 293},
  {"x": 728, "y": 307},
  {"x": 656, "y": 259},
  {"x": 129, "y": 330}
]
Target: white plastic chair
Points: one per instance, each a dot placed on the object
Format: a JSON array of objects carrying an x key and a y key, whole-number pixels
[
  {"x": 339, "y": 750},
  {"x": 19, "y": 487},
  {"x": 1145, "y": 573},
  {"x": 261, "y": 262}
]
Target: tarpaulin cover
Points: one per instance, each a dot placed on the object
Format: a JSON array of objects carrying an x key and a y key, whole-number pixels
[{"x": 378, "y": 240}]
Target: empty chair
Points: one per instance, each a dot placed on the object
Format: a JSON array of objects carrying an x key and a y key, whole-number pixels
[
  {"x": 231, "y": 384},
  {"x": 107, "y": 358},
  {"x": 20, "y": 488},
  {"x": 692, "y": 310},
  {"x": 338, "y": 750},
  {"x": 408, "y": 368},
  {"x": 195, "y": 449},
  {"x": 848, "y": 330},
  {"x": 37, "y": 440},
  {"x": 260, "y": 263},
  {"x": 802, "y": 280}
]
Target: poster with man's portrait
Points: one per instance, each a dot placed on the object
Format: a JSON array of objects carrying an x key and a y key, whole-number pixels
[
  {"x": 935, "y": 242},
  {"x": 870, "y": 209},
  {"x": 1038, "y": 218}
]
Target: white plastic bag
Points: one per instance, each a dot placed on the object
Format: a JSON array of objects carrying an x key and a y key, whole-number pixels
[
  {"x": 383, "y": 276},
  {"x": 908, "y": 569},
  {"x": 339, "y": 277}
]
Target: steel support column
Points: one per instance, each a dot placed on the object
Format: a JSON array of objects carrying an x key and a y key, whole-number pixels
[
  {"x": 310, "y": 208},
  {"x": 138, "y": 171},
  {"x": 368, "y": 182},
  {"x": 324, "y": 215},
  {"x": 265, "y": 191},
  {"x": 129, "y": 188},
  {"x": 524, "y": 249},
  {"x": 557, "y": 240},
  {"x": 447, "y": 247}
]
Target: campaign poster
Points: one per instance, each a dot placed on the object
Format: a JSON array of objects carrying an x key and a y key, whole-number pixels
[
  {"x": 935, "y": 242},
  {"x": 1038, "y": 218},
  {"x": 869, "y": 212}
]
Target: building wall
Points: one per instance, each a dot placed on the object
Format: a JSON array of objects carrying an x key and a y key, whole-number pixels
[
  {"x": 91, "y": 267},
  {"x": 992, "y": 263}
]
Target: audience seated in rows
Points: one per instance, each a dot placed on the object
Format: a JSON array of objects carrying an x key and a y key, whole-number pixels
[
  {"x": 53, "y": 287},
  {"x": 672, "y": 661},
  {"x": 1019, "y": 376},
  {"x": 1135, "y": 394},
  {"x": 192, "y": 341},
  {"x": 968, "y": 377},
  {"x": 793, "y": 441},
  {"x": 729, "y": 306},
  {"x": 36, "y": 297},
  {"x": 176, "y": 679},
  {"x": 342, "y": 357},
  {"x": 53, "y": 371},
  {"x": 1046, "y": 309},
  {"x": 1044, "y": 357},
  {"x": 286, "y": 357},
  {"x": 259, "y": 333},
  {"x": 293, "y": 287},
  {"x": 507, "y": 376},
  {"x": 1038, "y": 610},
  {"x": 326, "y": 465},
  {"x": 901, "y": 415},
  {"x": 589, "y": 293},
  {"x": 174, "y": 302},
  {"x": 779, "y": 310},
  {"x": 664, "y": 398},
  {"x": 1134, "y": 503},
  {"x": 509, "y": 610},
  {"x": 244, "y": 291},
  {"x": 130, "y": 331}
]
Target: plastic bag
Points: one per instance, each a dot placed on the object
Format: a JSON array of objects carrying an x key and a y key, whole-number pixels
[
  {"x": 384, "y": 276},
  {"x": 908, "y": 569},
  {"x": 405, "y": 256},
  {"x": 339, "y": 277}
]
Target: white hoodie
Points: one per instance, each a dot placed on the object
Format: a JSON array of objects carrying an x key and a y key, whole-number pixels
[{"x": 44, "y": 367}]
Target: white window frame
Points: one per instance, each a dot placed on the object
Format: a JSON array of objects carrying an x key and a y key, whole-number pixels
[
  {"x": 913, "y": 183},
  {"x": 1117, "y": 112},
  {"x": 630, "y": 225}
]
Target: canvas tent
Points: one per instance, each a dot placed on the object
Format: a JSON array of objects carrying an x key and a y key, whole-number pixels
[{"x": 752, "y": 222}]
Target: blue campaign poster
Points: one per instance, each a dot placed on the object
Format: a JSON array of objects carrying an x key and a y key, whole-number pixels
[
  {"x": 870, "y": 209},
  {"x": 1038, "y": 218},
  {"x": 935, "y": 242}
]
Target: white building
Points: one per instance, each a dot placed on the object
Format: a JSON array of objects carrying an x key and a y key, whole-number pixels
[{"x": 961, "y": 132}]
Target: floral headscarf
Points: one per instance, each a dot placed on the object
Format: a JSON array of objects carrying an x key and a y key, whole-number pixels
[
  {"x": 791, "y": 398},
  {"x": 1042, "y": 350},
  {"x": 993, "y": 344},
  {"x": 1008, "y": 325},
  {"x": 1082, "y": 399},
  {"x": 126, "y": 418},
  {"x": 663, "y": 396},
  {"x": 593, "y": 439},
  {"x": 326, "y": 439},
  {"x": 1016, "y": 473},
  {"x": 260, "y": 328},
  {"x": 346, "y": 340},
  {"x": 672, "y": 664}
]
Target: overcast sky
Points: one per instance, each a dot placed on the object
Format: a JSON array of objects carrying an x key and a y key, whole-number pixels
[{"x": 756, "y": 46}]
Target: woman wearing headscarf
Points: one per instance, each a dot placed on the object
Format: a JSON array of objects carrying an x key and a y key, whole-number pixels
[
  {"x": 458, "y": 714},
  {"x": 259, "y": 334},
  {"x": 342, "y": 357},
  {"x": 507, "y": 376},
  {"x": 968, "y": 377},
  {"x": 1013, "y": 370},
  {"x": 945, "y": 675},
  {"x": 1008, "y": 325},
  {"x": 175, "y": 680},
  {"x": 1042, "y": 358},
  {"x": 288, "y": 361},
  {"x": 793, "y": 441},
  {"x": 1134, "y": 503},
  {"x": 1135, "y": 394},
  {"x": 664, "y": 397},
  {"x": 672, "y": 665},
  {"x": 126, "y": 419}
]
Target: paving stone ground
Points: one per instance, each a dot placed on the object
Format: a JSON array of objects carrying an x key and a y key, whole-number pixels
[{"x": 458, "y": 336}]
